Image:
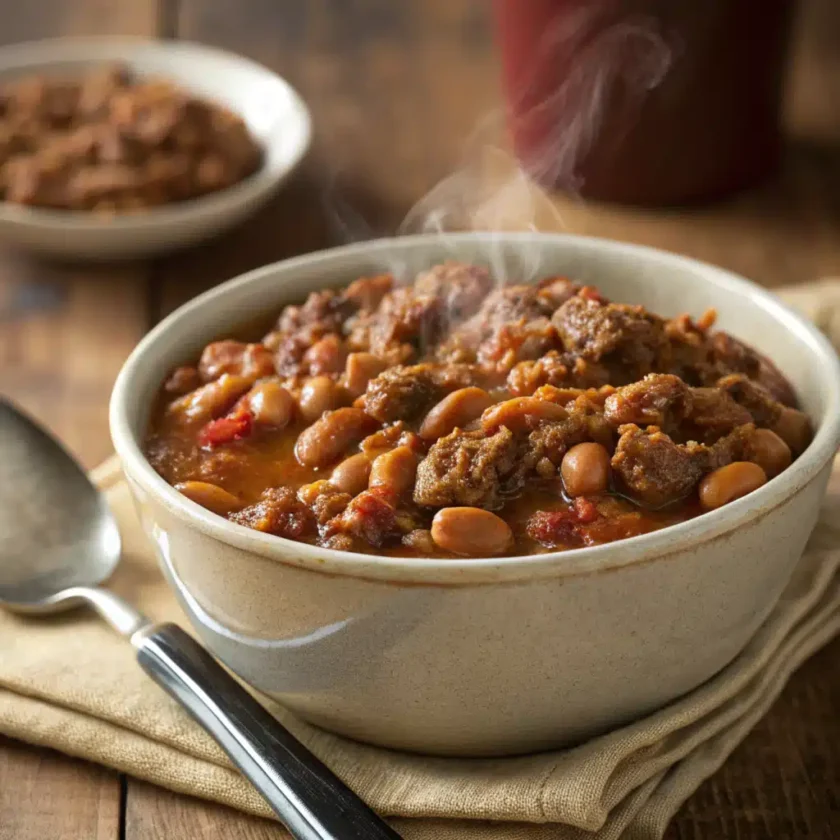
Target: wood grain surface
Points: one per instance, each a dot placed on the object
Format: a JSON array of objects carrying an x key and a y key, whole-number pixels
[{"x": 403, "y": 95}]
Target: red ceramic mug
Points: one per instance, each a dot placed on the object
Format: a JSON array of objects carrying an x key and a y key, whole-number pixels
[{"x": 645, "y": 101}]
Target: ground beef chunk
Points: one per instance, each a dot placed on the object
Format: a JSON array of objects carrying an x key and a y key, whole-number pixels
[
  {"x": 550, "y": 441},
  {"x": 279, "y": 512},
  {"x": 755, "y": 398},
  {"x": 324, "y": 500},
  {"x": 526, "y": 377},
  {"x": 557, "y": 369},
  {"x": 460, "y": 288},
  {"x": 512, "y": 324},
  {"x": 736, "y": 445},
  {"x": 324, "y": 313},
  {"x": 402, "y": 328},
  {"x": 370, "y": 516},
  {"x": 652, "y": 469},
  {"x": 469, "y": 468},
  {"x": 660, "y": 399},
  {"x": 627, "y": 339},
  {"x": 713, "y": 413},
  {"x": 733, "y": 356},
  {"x": 401, "y": 393},
  {"x": 452, "y": 377}
]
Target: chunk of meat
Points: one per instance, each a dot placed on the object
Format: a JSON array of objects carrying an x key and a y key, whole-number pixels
[
  {"x": 469, "y": 469},
  {"x": 660, "y": 399},
  {"x": 733, "y": 356},
  {"x": 755, "y": 398},
  {"x": 371, "y": 516},
  {"x": 324, "y": 499},
  {"x": 401, "y": 393},
  {"x": 511, "y": 325},
  {"x": 402, "y": 328},
  {"x": 713, "y": 414},
  {"x": 628, "y": 339},
  {"x": 460, "y": 287},
  {"x": 551, "y": 440},
  {"x": 251, "y": 361},
  {"x": 654, "y": 470},
  {"x": 279, "y": 512}
]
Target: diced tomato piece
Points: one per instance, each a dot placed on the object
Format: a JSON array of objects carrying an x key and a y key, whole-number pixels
[
  {"x": 553, "y": 528},
  {"x": 226, "y": 429},
  {"x": 586, "y": 510}
]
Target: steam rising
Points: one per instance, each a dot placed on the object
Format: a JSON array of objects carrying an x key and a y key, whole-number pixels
[{"x": 614, "y": 66}]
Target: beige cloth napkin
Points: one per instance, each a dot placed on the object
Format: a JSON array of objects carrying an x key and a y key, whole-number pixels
[{"x": 71, "y": 684}]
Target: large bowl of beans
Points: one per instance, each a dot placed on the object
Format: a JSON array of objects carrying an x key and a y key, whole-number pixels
[{"x": 479, "y": 494}]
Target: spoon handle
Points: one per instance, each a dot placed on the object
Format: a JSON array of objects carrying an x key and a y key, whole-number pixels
[{"x": 309, "y": 799}]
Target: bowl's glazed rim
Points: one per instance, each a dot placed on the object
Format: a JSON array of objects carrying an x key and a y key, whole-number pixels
[
  {"x": 41, "y": 54},
  {"x": 469, "y": 571}
]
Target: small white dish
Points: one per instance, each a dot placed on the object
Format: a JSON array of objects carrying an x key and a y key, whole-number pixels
[{"x": 272, "y": 110}]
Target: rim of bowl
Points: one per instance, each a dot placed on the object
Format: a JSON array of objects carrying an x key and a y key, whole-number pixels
[
  {"x": 470, "y": 571},
  {"x": 42, "y": 53}
]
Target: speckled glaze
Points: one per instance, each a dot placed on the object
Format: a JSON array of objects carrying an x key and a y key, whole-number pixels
[{"x": 496, "y": 656}]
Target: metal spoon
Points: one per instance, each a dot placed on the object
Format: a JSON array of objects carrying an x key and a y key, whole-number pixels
[{"x": 58, "y": 541}]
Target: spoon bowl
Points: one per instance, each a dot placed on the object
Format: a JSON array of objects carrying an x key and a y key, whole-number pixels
[
  {"x": 56, "y": 531},
  {"x": 59, "y": 540}
]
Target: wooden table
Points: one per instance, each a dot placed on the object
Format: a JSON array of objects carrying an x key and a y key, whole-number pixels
[{"x": 395, "y": 87}]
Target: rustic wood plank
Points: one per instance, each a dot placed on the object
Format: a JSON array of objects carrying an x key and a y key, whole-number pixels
[
  {"x": 784, "y": 779},
  {"x": 64, "y": 331},
  {"x": 47, "y": 795},
  {"x": 156, "y": 814}
]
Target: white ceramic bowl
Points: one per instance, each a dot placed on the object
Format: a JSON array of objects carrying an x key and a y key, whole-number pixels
[
  {"x": 494, "y": 656},
  {"x": 274, "y": 113}
]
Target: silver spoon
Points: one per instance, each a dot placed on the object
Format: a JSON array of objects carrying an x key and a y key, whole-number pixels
[{"x": 58, "y": 541}]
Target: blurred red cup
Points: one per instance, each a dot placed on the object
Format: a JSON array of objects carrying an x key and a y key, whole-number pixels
[{"x": 645, "y": 101}]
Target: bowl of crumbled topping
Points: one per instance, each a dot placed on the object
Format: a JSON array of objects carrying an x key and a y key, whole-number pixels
[{"x": 119, "y": 147}]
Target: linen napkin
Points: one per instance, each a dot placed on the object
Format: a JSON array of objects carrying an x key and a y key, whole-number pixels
[{"x": 69, "y": 683}]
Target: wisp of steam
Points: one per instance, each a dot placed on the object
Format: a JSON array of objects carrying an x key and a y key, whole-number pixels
[{"x": 619, "y": 62}]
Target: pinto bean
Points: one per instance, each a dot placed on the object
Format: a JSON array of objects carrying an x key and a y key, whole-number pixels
[
  {"x": 521, "y": 413},
  {"x": 351, "y": 475},
  {"x": 271, "y": 404},
  {"x": 455, "y": 410},
  {"x": 332, "y": 435},
  {"x": 586, "y": 470},
  {"x": 210, "y": 400},
  {"x": 471, "y": 532},
  {"x": 318, "y": 395},
  {"x": 728, "y": 483},
  {"x": 359, "y": 370},
  {"x": 769, "y": 451},
  {"x": 326, "y": 355},
  {"x": 794, "y": 428},
  {"x": 394, "y": 470},
  {"x": 210, "y": 496}
]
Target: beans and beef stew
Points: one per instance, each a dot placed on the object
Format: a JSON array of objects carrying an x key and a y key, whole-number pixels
[{"x": 459, "y": 417}]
